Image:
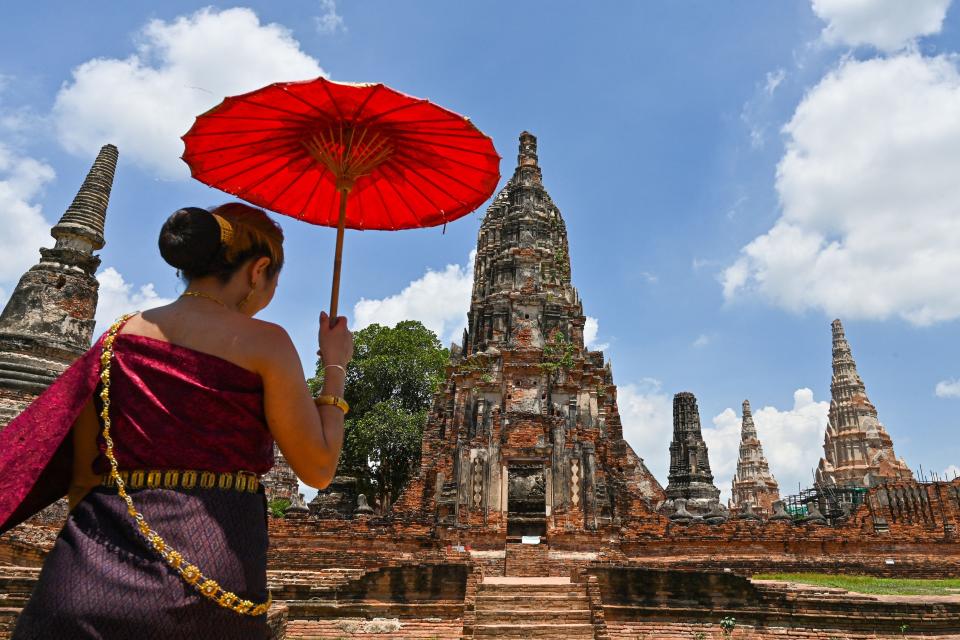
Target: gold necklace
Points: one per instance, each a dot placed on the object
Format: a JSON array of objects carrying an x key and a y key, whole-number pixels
[{"x": 201, "y": 294}]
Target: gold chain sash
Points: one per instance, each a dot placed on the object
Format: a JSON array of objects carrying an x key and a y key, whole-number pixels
[{"x": 190, "y": 573}]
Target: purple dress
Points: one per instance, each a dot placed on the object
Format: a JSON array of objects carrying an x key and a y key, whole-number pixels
[{"x": 172, "y": 408}]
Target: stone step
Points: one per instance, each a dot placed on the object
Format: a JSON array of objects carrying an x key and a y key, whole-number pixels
[
  {"x": 533, "y": 589},
  {"x": 512, "y": 631},
  {"x": 521, "y": 602},
  {"x": 533, "y": 616}
]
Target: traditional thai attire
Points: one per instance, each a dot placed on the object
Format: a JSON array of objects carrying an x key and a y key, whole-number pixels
[{"x": 196, "y": 421}]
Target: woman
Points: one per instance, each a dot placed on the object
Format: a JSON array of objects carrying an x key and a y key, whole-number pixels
[{"x": 158, "y": 436}]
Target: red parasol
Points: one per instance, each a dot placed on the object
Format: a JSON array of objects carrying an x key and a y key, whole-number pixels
[{"x": 389, "y": 160}]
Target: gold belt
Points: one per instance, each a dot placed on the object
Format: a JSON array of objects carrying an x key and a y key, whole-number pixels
[{"x": 185, "y": 479}]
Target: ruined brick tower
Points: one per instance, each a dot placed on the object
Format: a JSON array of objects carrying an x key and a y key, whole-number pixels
[
  {"x": 858, "y": 451},
  {"x": 690, "y": 477},
  {"x": 525, "y": 438},
  {"x": 753, "y": 483},
  {"x": 48, "y": 321}
]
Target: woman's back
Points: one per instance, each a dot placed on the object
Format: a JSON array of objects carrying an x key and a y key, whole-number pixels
[{"x": 167, "y": 531}]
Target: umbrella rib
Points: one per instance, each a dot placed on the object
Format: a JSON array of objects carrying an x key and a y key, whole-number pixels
[
  {"x": 204, "y": 152},
  {"x": 326, "y": 88},
  {"x": 448, "y": 133},
  {"x": 363, "y": 105},
  {"x": 437, "y": 187},
  {"x": 248, "y": 187},
  {"x": 276, "y": 108},
  {"x": 206, "y": 134},
  {"x": 227, "y": 116},
  {"x": 281, "y": 193},
  {"x": 459, "y": 162},
  {"x": 386, "y": 209},
  {"x": 388, "y": 112},
  {"x": 399, "y": 196},
  {"x": 261, "y": 153},
  {"x": 447, "y": 176},
  {"x": 485, "y": 154},
  {"x": 420, "y": 191},
  {"x": 326, "y": 115},
  {"x": 306, "y": 204}
]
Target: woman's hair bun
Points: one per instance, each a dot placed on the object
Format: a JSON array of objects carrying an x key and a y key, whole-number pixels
[{"x": 190, "y": 240}]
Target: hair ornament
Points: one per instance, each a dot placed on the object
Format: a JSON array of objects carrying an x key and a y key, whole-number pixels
[{"x": 226, "y": 229}]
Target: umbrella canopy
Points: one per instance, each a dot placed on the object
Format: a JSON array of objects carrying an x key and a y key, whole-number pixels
[{"x": 294, "y": 147}]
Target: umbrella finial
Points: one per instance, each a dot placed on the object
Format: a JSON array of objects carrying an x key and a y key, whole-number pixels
[{"x": 528, "y": 150}]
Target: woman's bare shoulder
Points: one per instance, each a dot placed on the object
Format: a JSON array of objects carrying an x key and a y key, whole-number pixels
[{"x": 269, "y": 343}]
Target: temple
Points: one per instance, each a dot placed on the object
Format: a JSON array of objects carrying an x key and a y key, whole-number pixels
[
  {"x": 530, "y": 516},
  {"x": 689, "y": 477},
  {"x": 49, "y": 320},
  {"x": 753, "y": 483},
  {"x": 525, "y": 440},
  {"x": 858, "y": 451}
]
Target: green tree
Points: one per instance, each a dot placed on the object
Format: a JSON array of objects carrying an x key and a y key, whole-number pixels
[{"x": 390, "y": 384}]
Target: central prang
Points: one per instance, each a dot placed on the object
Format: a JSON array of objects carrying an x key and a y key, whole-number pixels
[{"x": 525, "y": 439}]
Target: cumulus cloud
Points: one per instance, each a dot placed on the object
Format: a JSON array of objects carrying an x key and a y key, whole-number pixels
[
  {"x": 329, "y": 21},
  {"x": 948, "y": 389},
  {"x": 951, "y": 472},
  {"x": 117, "y": 297},
  {"x": 647, "y": 416},
  {"x": 22, "y": 180},
  {"x": 792, "y": 442},
  {"x": 701, "y": 341},
  {"x": 869, "y": 197},
  {"x": 179, "y": 70},
  {"x": 438, "y": 299},
  {"x": 590, "y": 330},
  {"x": 885, "y": 24}
]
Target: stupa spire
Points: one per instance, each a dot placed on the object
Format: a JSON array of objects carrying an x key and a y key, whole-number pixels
[
  {"x": 690, "y": 477},
  {"x": 752, "y": 483},
  {"x": 48, "y": 321},
  {"x": 747, "y": 428},
  {"x": 858, "y": 451},
  {"x": 84, "y": 219}
]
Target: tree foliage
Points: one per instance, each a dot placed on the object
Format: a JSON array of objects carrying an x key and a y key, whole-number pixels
[{"x": 390, "y": 384}]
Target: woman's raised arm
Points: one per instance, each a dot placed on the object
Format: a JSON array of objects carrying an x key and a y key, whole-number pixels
[{"x": 310, "y": 437}]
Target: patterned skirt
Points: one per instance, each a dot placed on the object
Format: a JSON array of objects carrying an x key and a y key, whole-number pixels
[{"x": 101, "y": 581}]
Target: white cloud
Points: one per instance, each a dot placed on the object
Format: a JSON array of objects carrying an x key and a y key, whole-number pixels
[
  {"x": 948, "y": 389},
  {"x": 329, "y": 21},
  {"x": 590, "y": 329},
  {"x": 885, "y": 24},
  {"x": 22, "y": 180},
  {"x": 774, "y": 78},
  {"x": 438, "y": 299},
  {"x": 646, "y": 413},
  {"x": 701, "y": 341},
  {"x": 951, "y": 472},
  {"x": 117, "y": 297},
  {"x": 868, "y": 190},
  {"x": 792, "y": 442},
  {"x": 180, "y": 69}
]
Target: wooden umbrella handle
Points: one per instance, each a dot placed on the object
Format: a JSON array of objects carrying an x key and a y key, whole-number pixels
[{"x": 335, "y": 289}]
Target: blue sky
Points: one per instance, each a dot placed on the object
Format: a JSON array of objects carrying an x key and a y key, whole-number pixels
[{"x": 733, "y": 176}]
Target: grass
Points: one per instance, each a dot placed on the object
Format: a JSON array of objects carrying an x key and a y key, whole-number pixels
[{"x": 869, "y": 584}]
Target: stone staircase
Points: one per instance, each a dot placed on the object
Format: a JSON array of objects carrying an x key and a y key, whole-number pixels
[{"x": 532, "y": 608}]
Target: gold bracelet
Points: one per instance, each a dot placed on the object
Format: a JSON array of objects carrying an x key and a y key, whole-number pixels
[
  {"x": 336, "y": 401},
  {"x": 336, "y": 366}
]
